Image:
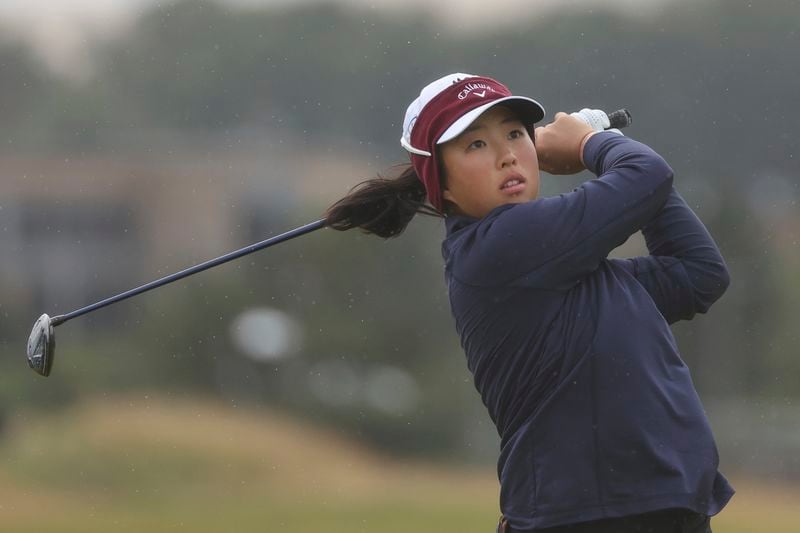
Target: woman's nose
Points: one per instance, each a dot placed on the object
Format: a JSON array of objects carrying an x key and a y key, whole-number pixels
[{"x": 507, "y": 157}]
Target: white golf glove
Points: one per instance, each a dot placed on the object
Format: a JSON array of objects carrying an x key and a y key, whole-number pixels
[{"x": 596, "y": 118}]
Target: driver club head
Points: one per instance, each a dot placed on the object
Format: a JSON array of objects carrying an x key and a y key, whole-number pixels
[{"x": 42, "y": 346}]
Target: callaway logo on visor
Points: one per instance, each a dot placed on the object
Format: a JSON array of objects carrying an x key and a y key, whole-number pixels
[{"x": 472, "y": 88}]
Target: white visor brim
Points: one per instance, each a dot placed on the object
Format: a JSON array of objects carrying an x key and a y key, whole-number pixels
[{"x": 531, "y": 111}]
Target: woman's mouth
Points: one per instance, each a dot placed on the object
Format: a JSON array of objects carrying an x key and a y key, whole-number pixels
[{"x": 513, "y": 185}]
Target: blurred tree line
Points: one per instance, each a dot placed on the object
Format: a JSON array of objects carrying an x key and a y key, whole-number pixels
[{"x": 712, "y": 87}]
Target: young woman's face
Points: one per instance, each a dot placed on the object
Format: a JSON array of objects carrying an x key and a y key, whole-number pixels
[{"x": 492, "y": 163}]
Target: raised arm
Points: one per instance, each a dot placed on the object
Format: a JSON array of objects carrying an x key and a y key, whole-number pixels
[
  {"x": 685, "y": 272},
  {"x": 553, "y": 242}
]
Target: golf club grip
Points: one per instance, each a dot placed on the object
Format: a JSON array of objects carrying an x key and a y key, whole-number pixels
[{"x": 621, "y": 118}]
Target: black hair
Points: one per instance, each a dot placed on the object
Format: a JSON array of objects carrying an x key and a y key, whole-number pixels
[{"x": 382, "y": 206}]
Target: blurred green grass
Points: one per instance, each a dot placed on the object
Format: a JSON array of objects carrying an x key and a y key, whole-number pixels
[{"x": 161, "y": 464}]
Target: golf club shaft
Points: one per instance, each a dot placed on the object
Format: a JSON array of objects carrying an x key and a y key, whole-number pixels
[{"x": 302, "y": 230}]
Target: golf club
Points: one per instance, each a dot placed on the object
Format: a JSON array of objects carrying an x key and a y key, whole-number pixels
[{"x": 42, "y": 341}]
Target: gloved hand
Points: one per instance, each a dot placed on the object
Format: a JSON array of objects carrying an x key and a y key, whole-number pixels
[{"x": 596, "y": 118}]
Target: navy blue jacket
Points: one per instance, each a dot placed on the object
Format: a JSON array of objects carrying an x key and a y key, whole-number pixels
[{"x": 572, "y": 352}]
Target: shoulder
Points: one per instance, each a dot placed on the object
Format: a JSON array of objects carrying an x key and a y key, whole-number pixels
[{"x": 488, "y": 251}]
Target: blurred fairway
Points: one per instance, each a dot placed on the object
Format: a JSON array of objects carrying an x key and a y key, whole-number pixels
[{"x": 160, "y": 464}]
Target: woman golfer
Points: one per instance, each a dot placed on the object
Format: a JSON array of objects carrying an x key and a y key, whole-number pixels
[{"x": 601, "y": 428}]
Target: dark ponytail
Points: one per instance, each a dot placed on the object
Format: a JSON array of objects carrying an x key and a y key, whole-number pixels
[{"x": 382, "y": 206}]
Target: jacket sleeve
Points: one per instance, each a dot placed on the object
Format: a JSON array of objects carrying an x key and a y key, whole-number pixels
[
  {"x": 551, "y": 243},
  {"x": 685, "y": 272}
]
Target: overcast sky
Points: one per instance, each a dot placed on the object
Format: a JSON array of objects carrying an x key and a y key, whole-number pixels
[{"x": 58, "y": 28}]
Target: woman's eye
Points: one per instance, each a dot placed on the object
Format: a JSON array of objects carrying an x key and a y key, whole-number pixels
[
  {"x": 476, "y": 144},
  {"x": 515, "y": 134}
]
